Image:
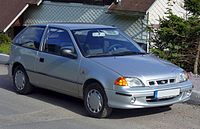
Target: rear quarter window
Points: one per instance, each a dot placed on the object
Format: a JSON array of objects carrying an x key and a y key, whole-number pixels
[{"x": 30, "y": 37}]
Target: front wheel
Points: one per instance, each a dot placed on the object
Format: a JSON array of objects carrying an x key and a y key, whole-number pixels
[{"x": 95, "y": 101}]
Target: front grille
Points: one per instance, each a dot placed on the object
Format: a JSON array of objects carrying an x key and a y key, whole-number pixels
[
  {"x": 161, "y": 82},
  {"x": 172, "y": 80}
]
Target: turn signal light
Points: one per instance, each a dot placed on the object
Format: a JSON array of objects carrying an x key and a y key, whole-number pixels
[{"x": 121, "y": 82}]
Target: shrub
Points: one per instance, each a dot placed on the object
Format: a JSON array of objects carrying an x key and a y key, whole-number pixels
[{"x": 5, "y": 43}]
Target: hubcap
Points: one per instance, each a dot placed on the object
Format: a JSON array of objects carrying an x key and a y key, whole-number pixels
[
  {"x": 20, "y": 80},
  {"x": 94, "y": 101}
]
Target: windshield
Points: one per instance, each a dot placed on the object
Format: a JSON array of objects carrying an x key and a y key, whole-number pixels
[{"x": 105, "y": 42}]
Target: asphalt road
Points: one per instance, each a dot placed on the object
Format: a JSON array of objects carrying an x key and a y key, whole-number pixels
[{"x": 49, "y": 110}]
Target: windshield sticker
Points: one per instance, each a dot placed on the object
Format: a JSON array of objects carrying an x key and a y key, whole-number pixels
[
  {"x": 111, "y": 32},
  {"x": 98, "y": 34}
]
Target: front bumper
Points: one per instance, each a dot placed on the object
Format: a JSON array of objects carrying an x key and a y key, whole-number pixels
[{"x": 140, "y": 97}]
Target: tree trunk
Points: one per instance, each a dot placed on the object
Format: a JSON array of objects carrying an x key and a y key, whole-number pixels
[{"x": 196, "y": 64}]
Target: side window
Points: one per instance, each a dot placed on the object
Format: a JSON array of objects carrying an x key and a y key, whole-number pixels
[
  {"x": 30, "y": 38},
  {"x": 56, "y": 40}
]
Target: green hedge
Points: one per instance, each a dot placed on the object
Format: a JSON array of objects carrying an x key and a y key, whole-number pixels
[{"x": 5, "y": 43}]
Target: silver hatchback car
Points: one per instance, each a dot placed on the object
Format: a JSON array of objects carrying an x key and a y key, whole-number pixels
[{"x": 96, "y": 63}]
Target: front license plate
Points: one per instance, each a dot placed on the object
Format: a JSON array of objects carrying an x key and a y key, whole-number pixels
[{"x": 167, "y": 93}]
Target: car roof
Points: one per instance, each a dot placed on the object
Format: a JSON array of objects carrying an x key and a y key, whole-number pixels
[{"x": 75, "y": 26}]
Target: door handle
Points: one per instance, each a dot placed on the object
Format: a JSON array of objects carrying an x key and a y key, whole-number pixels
[{"x": 41, "y": 60}]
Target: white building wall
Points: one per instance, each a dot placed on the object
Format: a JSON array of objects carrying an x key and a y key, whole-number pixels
[{"x": 159, "y": 8}]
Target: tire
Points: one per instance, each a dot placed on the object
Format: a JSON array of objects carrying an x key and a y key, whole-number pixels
[
  {"x": 95, "y": 101},
  {"x": 21, "y": 81}
]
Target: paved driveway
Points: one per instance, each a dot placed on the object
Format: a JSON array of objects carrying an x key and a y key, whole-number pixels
[{"x": 49, "y": 110}]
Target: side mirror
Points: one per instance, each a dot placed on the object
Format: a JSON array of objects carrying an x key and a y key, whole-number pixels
[{"x": 68, "y": 52}]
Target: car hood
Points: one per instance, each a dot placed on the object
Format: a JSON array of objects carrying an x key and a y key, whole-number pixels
[{"x": 138, "y": 65}]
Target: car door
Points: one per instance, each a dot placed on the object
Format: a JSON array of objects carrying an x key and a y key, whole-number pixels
[
  {"x": 25, "y": 48},
  {"x": 55, "y": 71}
]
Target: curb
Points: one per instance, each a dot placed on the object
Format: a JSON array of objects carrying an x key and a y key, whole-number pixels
[
  {"x": 4, "y": 58},
  {"x": 195, "y": 98}
]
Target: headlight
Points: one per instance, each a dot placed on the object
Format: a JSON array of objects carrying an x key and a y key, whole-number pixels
[
  {"x": 131, "y": 82},
  {"x": 182, "y": 77}
]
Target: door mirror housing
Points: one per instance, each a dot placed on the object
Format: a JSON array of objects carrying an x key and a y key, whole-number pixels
[{"x": 69, "y": 52}]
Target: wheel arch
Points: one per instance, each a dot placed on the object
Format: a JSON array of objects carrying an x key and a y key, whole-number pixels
[
  {"x": 90, "y": 81},
  {"x": 15, "y": 65}
]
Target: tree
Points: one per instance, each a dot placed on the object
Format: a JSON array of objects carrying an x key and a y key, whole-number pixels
[
  {"x": 178, "y": 39},
  {"x": 193, "y": 7}
]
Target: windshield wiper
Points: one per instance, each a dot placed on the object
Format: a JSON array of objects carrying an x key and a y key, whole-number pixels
[
  {"x": 124, "y": 53},
  {"x": 97, "y": 55}
]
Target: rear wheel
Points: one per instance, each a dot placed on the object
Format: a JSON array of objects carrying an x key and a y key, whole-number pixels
[
  {"x": 95, "y": 101},
  {"x": 21, "y": 81}
]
